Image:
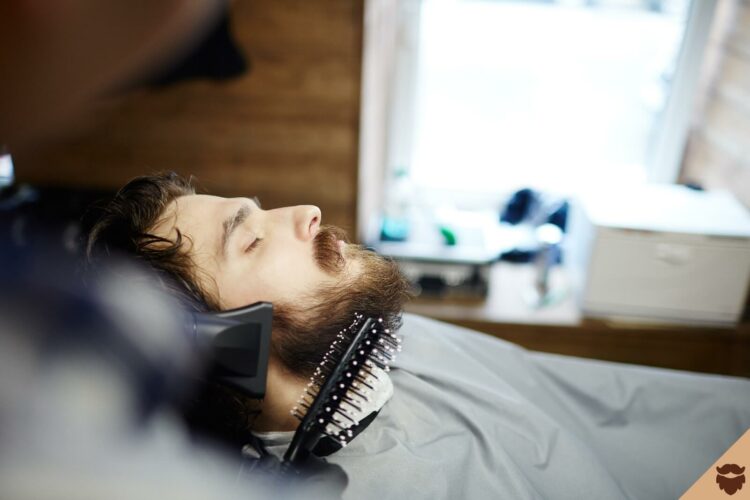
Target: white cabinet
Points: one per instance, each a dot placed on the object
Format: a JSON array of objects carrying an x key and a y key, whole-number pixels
[{"x": 660, "y": 253}]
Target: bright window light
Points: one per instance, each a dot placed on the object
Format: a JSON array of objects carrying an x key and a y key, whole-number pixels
[{"x": 558, "y": 96}]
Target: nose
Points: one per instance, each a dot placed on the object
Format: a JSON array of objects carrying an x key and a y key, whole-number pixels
[{"x": 306, "y": 221}]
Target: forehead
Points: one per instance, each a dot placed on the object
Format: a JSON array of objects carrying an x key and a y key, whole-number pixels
[{"x": 193, "y": 214}]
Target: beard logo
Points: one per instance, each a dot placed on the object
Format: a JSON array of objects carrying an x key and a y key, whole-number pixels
[{"x": 730, "y": 478}]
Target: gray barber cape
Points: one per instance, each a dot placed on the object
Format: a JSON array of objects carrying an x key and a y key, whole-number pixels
[{"x": 476, "y": 417}]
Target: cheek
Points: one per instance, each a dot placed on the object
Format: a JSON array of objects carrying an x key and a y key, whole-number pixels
[
  {"x": 239, "y": 287},
  {"x": 285, "y": 278},
  {"x": 280, "y": 277}
]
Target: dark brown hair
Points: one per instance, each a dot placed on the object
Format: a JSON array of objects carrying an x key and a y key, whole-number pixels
[{"x": 123, "y": 226}]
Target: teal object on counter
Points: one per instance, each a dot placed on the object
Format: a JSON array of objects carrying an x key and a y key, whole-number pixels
[
  {"x": 449, "y": 236},
  {"x": 394, "y": 229}
]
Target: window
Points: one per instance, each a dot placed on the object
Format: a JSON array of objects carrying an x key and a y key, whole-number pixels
[
  {"x": 484, "y": 97},
  {"x": 558, "y": 96}
]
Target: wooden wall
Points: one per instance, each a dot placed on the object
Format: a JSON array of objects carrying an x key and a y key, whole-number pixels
[
  {"x": 287, "y": 131},
  {"x": 718, "y": 150}
]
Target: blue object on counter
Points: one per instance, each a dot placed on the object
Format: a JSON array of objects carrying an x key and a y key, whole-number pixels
[{"x": 394, "y": 229}]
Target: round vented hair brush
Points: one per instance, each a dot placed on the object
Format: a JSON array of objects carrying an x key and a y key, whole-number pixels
[{"x": 342, "y": 385}]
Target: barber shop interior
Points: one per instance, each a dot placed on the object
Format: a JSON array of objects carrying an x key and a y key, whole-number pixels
[{"x": 375, "y": 249}]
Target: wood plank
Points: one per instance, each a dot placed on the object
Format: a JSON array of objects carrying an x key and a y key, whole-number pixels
[
  {"x": 718, "y": 151},
  {"x": 287, "y": 131}
]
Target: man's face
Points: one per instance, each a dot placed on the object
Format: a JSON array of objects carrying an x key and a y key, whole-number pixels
[
  {"x": 244, "y": 254},
  {"x": 316, "y": 282}
]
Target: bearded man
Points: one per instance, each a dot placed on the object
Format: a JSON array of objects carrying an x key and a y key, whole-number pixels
[{"x": 222, "y": 253}]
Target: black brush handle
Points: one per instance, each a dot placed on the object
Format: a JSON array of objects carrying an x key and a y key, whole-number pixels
[
  {"x": 309, "y": 433},
  {"x": 299, "y": 449}
]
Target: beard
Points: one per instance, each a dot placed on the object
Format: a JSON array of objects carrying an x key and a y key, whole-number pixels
[{"x": 302, "y": 334}]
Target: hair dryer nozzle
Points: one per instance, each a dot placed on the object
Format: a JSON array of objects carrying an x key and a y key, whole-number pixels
[{"x": 239, "y": 341}]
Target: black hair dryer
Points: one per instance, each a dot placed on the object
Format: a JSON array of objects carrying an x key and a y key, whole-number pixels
[{"x": 239, "y": 341}]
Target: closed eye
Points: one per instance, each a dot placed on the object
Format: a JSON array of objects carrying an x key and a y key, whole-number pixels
[{"x": 253, "y": 245}]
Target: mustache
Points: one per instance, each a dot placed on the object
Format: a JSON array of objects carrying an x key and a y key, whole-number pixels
[
  {"x": 327, "y": 252},
  {"x": 730, "y": 468}
]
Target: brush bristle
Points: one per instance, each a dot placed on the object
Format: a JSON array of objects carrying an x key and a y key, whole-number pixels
[{"x": 376, "y": 347}]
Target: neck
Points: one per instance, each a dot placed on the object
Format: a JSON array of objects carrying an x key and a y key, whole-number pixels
[{"x": 283, "y": 389}]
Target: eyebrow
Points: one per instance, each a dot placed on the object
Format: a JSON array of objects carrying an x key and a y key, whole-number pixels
[{"x": 231, "y": 223}]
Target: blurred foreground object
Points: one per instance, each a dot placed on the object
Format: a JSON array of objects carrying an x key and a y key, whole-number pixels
[
  {"x": 58, "y": 58},
  {"x": 91, "y": 378},
  {"x": 84, "y": 378},
  {"x": 217, "y": 57},
  {"x": 660, "y": 253}
]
